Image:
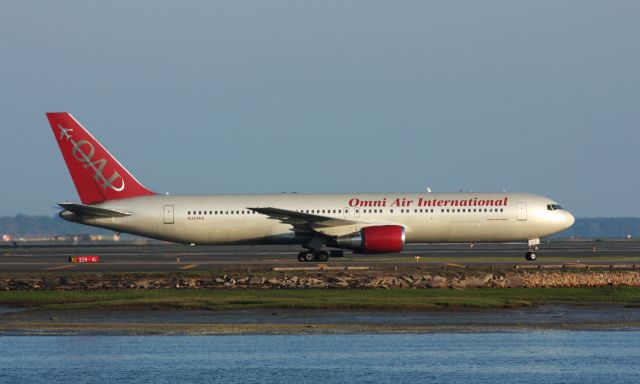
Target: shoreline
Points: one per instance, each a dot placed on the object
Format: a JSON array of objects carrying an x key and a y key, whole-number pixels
[
  {"x": 140, "y": 322},
  {"x": 414, "y": 278}
]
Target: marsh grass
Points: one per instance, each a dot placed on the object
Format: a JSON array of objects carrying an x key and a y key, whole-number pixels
[{"x": 342, "y": 299}]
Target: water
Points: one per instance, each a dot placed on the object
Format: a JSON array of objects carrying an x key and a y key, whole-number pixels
[{"x": 522, "y": 357}]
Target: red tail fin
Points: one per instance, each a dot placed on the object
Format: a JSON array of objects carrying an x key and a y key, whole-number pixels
[{"x": 98, "y": 176}]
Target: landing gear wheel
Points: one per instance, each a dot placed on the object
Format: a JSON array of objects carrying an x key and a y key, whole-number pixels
[
  {"x": 531, "y": 256},
  {"x": 309, "y": 256},
  {"x": 322, "y": 256},
  {"x": 301, "y": 256}
]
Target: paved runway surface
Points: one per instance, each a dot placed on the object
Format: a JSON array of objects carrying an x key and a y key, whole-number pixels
[{"x": 166, "y": 258}]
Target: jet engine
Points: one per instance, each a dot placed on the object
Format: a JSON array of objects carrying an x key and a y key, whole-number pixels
[{"x": 375, "y": 239}]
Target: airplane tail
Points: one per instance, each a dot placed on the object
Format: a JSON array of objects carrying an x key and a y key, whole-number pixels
[{"x": 97, "y": 175}]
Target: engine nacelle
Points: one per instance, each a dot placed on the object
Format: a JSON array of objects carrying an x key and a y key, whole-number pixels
[{"x": 376, "y": 239}]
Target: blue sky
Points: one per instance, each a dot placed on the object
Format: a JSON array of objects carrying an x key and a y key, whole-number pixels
[{"x": 329, "y": 96}]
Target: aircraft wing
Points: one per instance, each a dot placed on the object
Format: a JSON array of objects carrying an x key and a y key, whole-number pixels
[{"x": 307, "y": 223}]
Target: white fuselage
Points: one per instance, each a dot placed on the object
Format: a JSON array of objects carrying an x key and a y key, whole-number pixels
[{"x": 426, "y": 217}]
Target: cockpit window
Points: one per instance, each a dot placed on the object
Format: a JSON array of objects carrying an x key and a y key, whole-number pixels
[{"x": 553, "y": 207}]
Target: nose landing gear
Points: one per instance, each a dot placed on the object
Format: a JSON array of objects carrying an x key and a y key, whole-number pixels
[{"x": 533, "y": 249}]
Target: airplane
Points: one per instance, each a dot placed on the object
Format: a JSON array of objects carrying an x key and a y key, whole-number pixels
[{"x": 364, "y": 223}]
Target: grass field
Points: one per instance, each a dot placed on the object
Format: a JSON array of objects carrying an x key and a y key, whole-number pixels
[{"x": 363, "y": 299}]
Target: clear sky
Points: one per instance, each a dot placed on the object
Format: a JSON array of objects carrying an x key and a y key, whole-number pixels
[{"x": 329, "y": 96}]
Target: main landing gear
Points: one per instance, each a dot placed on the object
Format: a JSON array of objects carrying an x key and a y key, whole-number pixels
[
  {"x": 313, "y": 255},
  {"x": 533, "y": 249}
]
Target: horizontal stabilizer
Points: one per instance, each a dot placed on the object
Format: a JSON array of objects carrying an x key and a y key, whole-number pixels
[{"x": 90, "y": 210}]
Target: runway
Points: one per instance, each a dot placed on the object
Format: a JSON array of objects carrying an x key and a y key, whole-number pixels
[{"x": 173, "y": 258}]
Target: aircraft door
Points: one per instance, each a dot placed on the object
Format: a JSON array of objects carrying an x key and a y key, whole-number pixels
[
  {"x": 168, "y": 214},
  {"x": 345, "y": 212},
  {"x": 522, "y": 211}
]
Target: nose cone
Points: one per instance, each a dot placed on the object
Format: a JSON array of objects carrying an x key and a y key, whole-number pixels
[{"x": 569, "y": 219}]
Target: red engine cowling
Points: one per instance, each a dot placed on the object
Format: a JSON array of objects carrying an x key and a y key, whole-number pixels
[{"x": 376, "y": 239}]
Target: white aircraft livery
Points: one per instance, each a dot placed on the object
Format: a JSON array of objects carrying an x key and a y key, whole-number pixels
[{"x": 112, "y": 198}]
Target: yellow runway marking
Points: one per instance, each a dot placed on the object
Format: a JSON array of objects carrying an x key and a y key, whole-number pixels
[
  {"x": 62, "y": 266},
  {"x": 189, "y": 266}
]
